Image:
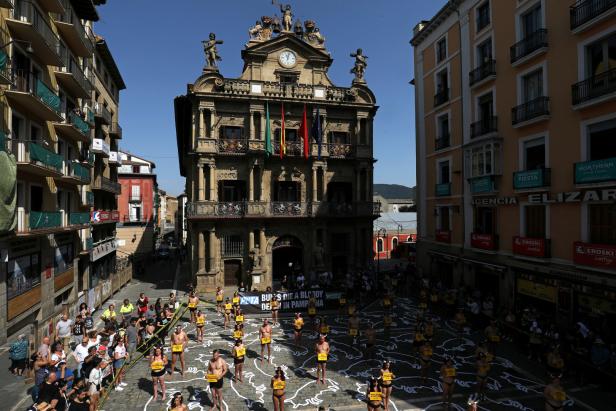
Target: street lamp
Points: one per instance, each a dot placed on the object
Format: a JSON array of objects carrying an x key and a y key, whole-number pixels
[
  {"x": 29, "y": 48},
  {"x": 381, "y": 232}
]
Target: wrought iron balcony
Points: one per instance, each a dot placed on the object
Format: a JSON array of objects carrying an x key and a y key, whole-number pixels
[
  {"x": 105, "y": 184},
  {"x": 232, "y": 146},
  {"x": 293, "y": 148},
  {"x": 282, "y": 90},
  {"x": 484, "y": 126},
  {"x": 115, "y": 130},
  {"x": 584, "y": 11},
  {"x": 594, "y": 87},
  {"x": 443, "y": 141},
  {"x": 530, "y": 110},
  {"x": 34, "y": 96},
  {"x": 340, "y": 150},
  {"x": 485, "y": 70},
  {"x": 288, "y": 208},
  {"x": 530, "y": 44},
  {"x": 71, "y": 76},
  {"x": 441, "y": 97}
]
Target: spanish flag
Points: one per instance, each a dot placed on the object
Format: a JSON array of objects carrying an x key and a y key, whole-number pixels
[{"x": 283, "y": 145}]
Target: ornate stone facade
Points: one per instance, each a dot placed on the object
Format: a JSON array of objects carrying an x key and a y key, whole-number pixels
[{"x": 253, "y": 216}]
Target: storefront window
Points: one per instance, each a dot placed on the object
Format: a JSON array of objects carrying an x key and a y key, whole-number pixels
[
  {"x": 63, "y": 259},
  {"x": 23, "y": 273}
]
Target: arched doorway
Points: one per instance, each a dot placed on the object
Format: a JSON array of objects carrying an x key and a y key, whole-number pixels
[{"x": 287, "y": 258}]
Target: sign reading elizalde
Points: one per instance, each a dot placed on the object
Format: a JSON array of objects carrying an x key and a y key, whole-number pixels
[{"x": 588, "y": 196}]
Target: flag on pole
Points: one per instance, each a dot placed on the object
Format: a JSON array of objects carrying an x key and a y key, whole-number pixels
[
  {"x": 283, "y": 145},
  {"x": 268, "y": 132},
  {"x": 317, "y": 133},
  {"x": 303, "y": 130}
]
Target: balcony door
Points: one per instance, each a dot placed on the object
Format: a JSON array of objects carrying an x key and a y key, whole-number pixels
[
  {"x": 287, "y": 191},
  {"x": 601, "y": 56},
  {"x": 532, "y": 86},
  {"x": 601, "y": 140},
  {"x": 485, "y": 220},
  {"x": 531, "y": 21},
  {"x": 339, "y": 192},
  {"x": 232, "y": 190}
]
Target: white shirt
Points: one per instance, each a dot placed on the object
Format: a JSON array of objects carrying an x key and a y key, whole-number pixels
[
  {"x": 64, "y": 328},
  {"x": 56, "y": 357},
  {"x": 120, "y": 352},
  {"x": 96, "y": 376},
  {"x": 80, "y": 353}
]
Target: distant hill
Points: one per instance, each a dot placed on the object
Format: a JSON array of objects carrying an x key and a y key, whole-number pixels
[{"x": 389, "y": 191}]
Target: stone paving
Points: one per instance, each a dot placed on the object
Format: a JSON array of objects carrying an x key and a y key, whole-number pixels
[{"x": 509, "y": 386}]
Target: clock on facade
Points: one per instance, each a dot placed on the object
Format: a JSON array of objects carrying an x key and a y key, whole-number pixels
[{"x": 287, "y": 58}]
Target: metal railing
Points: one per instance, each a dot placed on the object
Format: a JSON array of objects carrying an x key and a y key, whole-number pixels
[
  {"x": 232, "y": 246},
  {"x": 5, "y": 61},
  {"x": 277, "y": 89},
  {"x": 594, "y": 87},
  {"x": 485, "y": 70},
  {"x": 26, "y": 82},
  {"x": 484, "y": 126},
  {"x": 530, "y": 110},
  {"x": 441, "y": 97},
  {"x": 115, "y": 129},
  {"x": 26, "y": 11},
  {"x": 340, "y": 150},
  {"x": 232, "y": 146},
  {"x": 287, "y": 208},
  {"x": 70, "y": 17},
  {"x": 239, "y": 209},
  {"x": 103, "y": 183},
  {"x": 584, "y": 11},
  {"x": 293, "y": 148},
  {"x": 72, "y": 66},
  {"x": 443, "y": 141},
  {"x": 533, "y": 42},
  {"x": 78, "y": 171},
  {"x": 41, "y": 220},
  {"x": 79, "y": 218},
  {"x": 33, "y": 153},
  {"x": 78, "y": 123},
  {"x": 102, "y": 112}
]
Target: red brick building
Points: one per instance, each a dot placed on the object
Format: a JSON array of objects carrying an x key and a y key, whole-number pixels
[{"x": 137, "y": 202}]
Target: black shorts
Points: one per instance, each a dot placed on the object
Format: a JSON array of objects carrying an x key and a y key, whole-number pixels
[
  {"x": 192, "y": 309},
  {"x": 216, "y": 385},
  {"x": 298, "y": 330},
  {"x": 238, "y": 360},
  {"x": 200, "y": 325},
  {"x": 158, "y": 373},
  {"x": 321, "y": 361},
  {"x": 417, "y": 343}
]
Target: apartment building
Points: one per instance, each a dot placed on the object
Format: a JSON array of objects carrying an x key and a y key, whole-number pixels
[
  {"x": 48, "y": 81},
  {"x": 516, "y": 161},
  {"x": 264, "y": 201}
]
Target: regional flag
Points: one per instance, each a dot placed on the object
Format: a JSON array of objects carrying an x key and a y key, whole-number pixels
[
  {"x": 268, "y": 132},
  {"x": 303, "y": 131},
  {"x": 283, "y": 145},
  {"x": 317, "y": 133}
]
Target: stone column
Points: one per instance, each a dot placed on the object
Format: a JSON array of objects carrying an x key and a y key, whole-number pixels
[
  {"x": 262, "y": 122},
  {"x": 262, "y": 185},
  {"x": 314, "y": 185},
  {"x": 212, "y": 251},
  {"x": 201, "y": 122},
  {"x": 213, "y": 193},
  {"x": 201, "y": 252},
  {"x": 212, "y": 122},
  {"x": 324, "y": 127},
  {"x": 251, "y": 239},
  {"x": 251, "y": 124},
  {"x": 262, "y": 245},
  {"x": 251, "y": 184},
  {"x": 323, "y": 186},
  {"x": 200, "y": 182},
  {"x": 195, "y": 121}
]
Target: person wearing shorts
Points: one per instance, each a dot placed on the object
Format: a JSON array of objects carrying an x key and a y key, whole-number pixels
[
  {"x": 239, "y": 354},
  {"x": 216, "y": 370},
  {"x": 321, "y": 350},
  {"x": 158, "y": 363},
  {"x": 200, "y": 320},
  {"x": 193, "y": 301},
  {"x": 298, "y": 325}
]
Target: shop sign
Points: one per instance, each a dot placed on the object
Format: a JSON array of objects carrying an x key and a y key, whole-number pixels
[
  {"x": 443, "y": 236},
  {"x": 103, "y": 249},
  {"x": 595, "y": 255},
  {"x": 588, "y": 196},
  {"x": 99, "y": 146},
  {"x": 595, "y": 171},
  {"x": 532, "y": 247},
  {"x": 529, "y": 179},
  {"x": 483, "y": 241},
  {"x": 537, "y": 290},
  {"x": 596, "y": 305},
  {"x": 101, "y": 216},
  {"x": 494, "y": 201},
  {"x": 482, "y": 185}
]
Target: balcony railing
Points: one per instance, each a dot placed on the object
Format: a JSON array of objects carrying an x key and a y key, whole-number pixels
[
  {"x": 585, "y": 10},
  {"x": 5, "y": 63},
  {"x": 70, "y": 17},
  {"x": 340, "y": 150},
  {"x": 115, "y": 129},
  {"x": 288, "y": 208},
  {"x": 26, "y": 82},
  {"x": 442, "y": 142},
  {"x": 281, "y": 90},
  {"x": 102, "y": 112},
  {"x": 530, "y": 110},
  {"x": 293, "y": 148},
  {"x": 79, "y": 218},
  {"x": 42, "y": 220},
  {"x": 534, "y": 42},
  {"x": 25, "y": 11},
  {"x": 70, "y": 65},
  {"x": 442, "y": 190},
  {"x": 485, "y": 70},
  {"x": 231, "y": 208},
  {"x": 232, "y": 146},
  {"x": 103, "y": 183},
  {"x": 89, "y": 198},
  {"x": 238, "y": 209},
  {"x": 79, "y": 171},
  {"x": 484, "y": 126},
  {"x": 135, "y": 198},
  {"x": 595, "y": 171},
  {"x": 441, "y": 97},
  {"x": 31, "y": 152},
  {"x": 531, "y": 178},
  {"x": 594, "y": 87}
]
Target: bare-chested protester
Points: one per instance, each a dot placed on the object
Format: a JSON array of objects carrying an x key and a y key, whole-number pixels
[
  {"x": 216, "y": 370},
  {"x": 265, "y": 335},
  {"x": 179, "y": 339},
  {"x": 321, "y": 350}
]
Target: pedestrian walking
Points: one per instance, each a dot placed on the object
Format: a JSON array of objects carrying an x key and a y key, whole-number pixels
[
  {"x": 18, "y": 354},
  {"x": 126, "y": 310},
  {"x": 64, "y": 330}
]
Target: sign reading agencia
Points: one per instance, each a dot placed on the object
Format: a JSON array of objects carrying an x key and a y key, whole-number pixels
[{"x": 586, "y": 196}]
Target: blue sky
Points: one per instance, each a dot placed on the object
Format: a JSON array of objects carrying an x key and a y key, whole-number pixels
[{"x": 157, "y": 46}]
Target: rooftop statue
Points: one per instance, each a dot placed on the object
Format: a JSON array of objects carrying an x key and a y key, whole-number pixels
[
  {"x": 211, "y": 51},
  {"x": 312, "y": 34},
  {"x": 360, "y": 65},
  {"x": 287, "y": 17}
]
